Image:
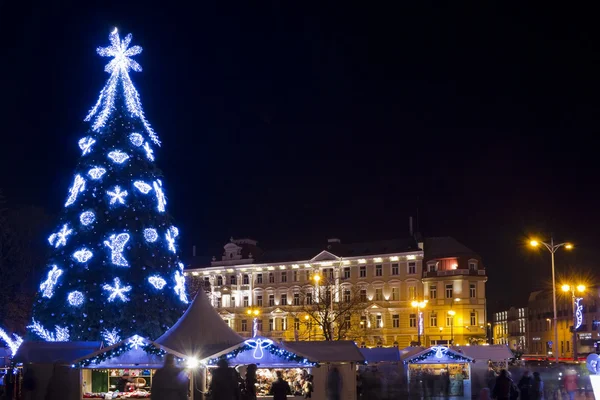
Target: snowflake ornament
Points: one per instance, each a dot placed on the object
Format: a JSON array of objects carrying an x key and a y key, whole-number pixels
[
  {"x": 136, "y": 342},
  {"x": 117, "y": 291},
  {"x": 116, "y": 195}
]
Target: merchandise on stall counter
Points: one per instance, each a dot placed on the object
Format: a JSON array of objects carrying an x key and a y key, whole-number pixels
[
  {"x": 136, "y": 394},
  {"x": 295, "y": 377}
]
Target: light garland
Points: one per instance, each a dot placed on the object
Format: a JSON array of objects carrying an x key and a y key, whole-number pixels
[
  {"x": 160, "y": 196},
  {"x": 96, "y": 172},
  {"x": 136, "y": 139},
  {"x": 271, "y": 348},
  {"x": 13, "y": 343},
  {"x": 77, "y": 187},
  {"x": 75, "y": 298},
  {"x": 157, "y": 282},
  {"x": 47, "y": 287},
  {"x": 142, "y": 186},
  {"x": 87, "y": 217},
  {"x": 111, "y": 337},
  {"x": 171, "y": 234},
  {"x": 149, "y": 151},
  {"x": 180, "y": 287},
  {"x": 117, "y": 243},
  {"x": 118, "y": 67},
  {"x": 117, "y": 291},
  {"x": 437, "y": 350},
  {"x": 116, "y": 195},
  {"x": 118, "y": 156},
  {"x": 150, "y": 235},
  {"x": 60, "y": 238},
  {"x": 82, "y": 255},
  {"x": 61, "y": 334},
  {"x": 85, "y": 145}
]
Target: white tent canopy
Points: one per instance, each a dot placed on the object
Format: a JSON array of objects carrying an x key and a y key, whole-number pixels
[{"x": 200, "y": 332}]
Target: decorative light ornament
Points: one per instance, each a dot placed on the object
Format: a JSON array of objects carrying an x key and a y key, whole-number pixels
[
  {"x": 136, "y": 342},
  {"x": 578, "y": 313},
  {"x": 85, "y": 145},
  {"x": 13, "y": 343},
  {"x": 171, "y": 234},
  {"x": 439, "y": 351},
  {"x": 259, "y": 345},
  {"x": 117, "y": 244},
  {"x": 75, "y": 298},
  {"x": 111, "y": 337},
  {"x": 118, "y": 156},
  {"x": 157, "y": 281},
  {"x": 78, "y": 187},
  {"x": 136, "y": 139},
  {"x": 61, "y": 334},
  {"x": 60, "y": 238},
  {"x": 117, "y": 291},
  {"x": 117, "y": 195},
  {"x": 119, "y": 68},
  {"x": 87, "y": 217},
  {"x": 82, "y": 255},
  {"x": 96, "y": 172},
  {"x": 160, "y": 196},
  {"x": 149, "y": 151},
  {"x": 47, "y": 287},
  {"x": 142, "y": 186},
  {"x": 180, "y": 287},
  {"x": 150, "y": 235}
]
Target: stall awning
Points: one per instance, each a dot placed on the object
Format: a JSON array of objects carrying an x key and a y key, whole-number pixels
[
  {"x": 133, "y": 352},
  {"x": 381, "y": 354},
  {"x": 494, "y": 353},
  {"x": 55, "y": 352},
  {"x": 200, "y": 332},
  {"x": 437, "y": 354},
  {"x": 323, "y": 351}
]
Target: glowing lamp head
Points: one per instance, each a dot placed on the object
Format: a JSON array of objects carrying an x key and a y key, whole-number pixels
[
  {"x": 317, "y": 278},
  {"x": 457, "y": 299},
  {"x": 534, "y": 243},
  {"x": 568, "y": 246},
  {"x": 256, "y": 312},
  {"x": 249, "y": 312},
  {"x": 565, "y": 288},
  {"x": 306, "y": 317},
  {"x": 192, "y": 362},
  {"x": 452, "y": 313},
  {"x": 581, "y": 288},
  {"x": 415, "y": 304}
]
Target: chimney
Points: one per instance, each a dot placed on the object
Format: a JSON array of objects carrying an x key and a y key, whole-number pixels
[
  {"x": 410, "y": 226},
  {"x": 194, "y": 251}
]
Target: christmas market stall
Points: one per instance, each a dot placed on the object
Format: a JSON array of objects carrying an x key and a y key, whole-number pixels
[
  {"x": 488, "y": 361},
  {"x": 342, "y": 355},
  {"x": 123, "y": 370},
  {"x": 269, "y": 357},
  {"x": 439, "y": 371},
  {"x": 382, "y": 372}
]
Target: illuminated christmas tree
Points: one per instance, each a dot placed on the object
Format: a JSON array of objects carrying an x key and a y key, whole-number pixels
[{"x": 113, "y": 270}]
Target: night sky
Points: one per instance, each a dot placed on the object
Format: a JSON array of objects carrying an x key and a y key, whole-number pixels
[{"x": 291, "y": 122}]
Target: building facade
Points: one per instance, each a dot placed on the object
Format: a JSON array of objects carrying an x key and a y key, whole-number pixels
[
  {"x": 510, "y": 328},
  {"x": 540, "y": 323},
  {"x": 275, "y": 288}
]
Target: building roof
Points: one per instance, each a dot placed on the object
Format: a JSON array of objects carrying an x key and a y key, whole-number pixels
[
  {"x": 494, "y": 353},
  {"x": 446, "y": 246},
  {"x": 381, "y": 354},
  {"x": 53, "y": 352},
  {"x": 326, "y": 351},
  {"x": 200, "y": 332}
]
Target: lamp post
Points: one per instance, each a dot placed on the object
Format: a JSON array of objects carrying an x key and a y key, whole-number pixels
[
  {"x": 419, "y": 305},
  {"x": 551, "y": 247},
  {"x": 308, "y": 325},
  {"x": 577, "y": 316},
  {"x": 254, "y": 312},
  {"x": 451, "y": 313}
]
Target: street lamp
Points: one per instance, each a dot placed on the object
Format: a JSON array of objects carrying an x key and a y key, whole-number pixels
[
  {"x": 255, "y": 312},
  {"x": 419, "y": 305},
  {"x": 551, "y": 247},
  {"x": 451, "y": 313},
  {"x": 577, "y": 316}
]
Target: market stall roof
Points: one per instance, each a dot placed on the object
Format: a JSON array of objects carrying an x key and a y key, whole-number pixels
[
  {"x": 381, "y": 354},
  {"x": 326, "y": 351},
  {"x": 493, "y": 353},
  {"x": 52, "y": 352},
  {"x": 128, "y": 353},
  {"x": 407, "y": 352},
  {"x": 200, "y": 332},
  {"x": 437, "y": 354}
]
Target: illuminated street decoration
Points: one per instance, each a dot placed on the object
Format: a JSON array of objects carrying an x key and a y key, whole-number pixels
[
  {"x": 578, "y": 313},
  {"x": 111, "y": 337},
  {"x": 136, "y": 342},
  {"x": 439, "y": 351},
  {"x": 78, "y": 187},
  {"x": 117, "y": 291},
  {"x": 47, "y": 287},
  {"x": 117, "y": 244},
  {"x": 259, "y": 345},
  {"x": 85, "y": 145}
]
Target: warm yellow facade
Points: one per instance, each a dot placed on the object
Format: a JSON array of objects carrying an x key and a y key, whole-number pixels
[{"x": 390, "y": 282}]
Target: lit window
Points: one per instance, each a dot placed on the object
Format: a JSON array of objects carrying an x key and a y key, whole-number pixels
[
  {"x": 396, "y": 321},
  {"x": 378, "y": 294},
  {"x": 363, "y": 321},
  {"x": 433, "y": 319},
  {"x": 379, "y": 321},
  {"x": 473, "y": 318},
  {"x": 412, "y": 292}
]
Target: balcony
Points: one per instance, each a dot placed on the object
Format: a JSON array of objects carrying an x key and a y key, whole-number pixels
[{"x": 453, "y": 272}]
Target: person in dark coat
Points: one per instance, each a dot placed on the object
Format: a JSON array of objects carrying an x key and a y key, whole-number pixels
[
  {"x": 504, "y": 389},
  {"x": 524, "y": 385},
  {"x": 250, "y": 383},
  {"x": 280, "y": 388},
  {"x": 224, "y": 384},
  {"x": 537, "y": 387},
  {"x": 123, "y": 383},
  {"x": 334, "y": 384},
  {"x": 169, "y": 382}
]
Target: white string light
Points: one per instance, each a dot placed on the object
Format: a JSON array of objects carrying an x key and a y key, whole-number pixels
[
  {"x": 47, "y": 287},
  {"x": 149, "y": 151},
  {"x": 116, "y": 195},
  {"x": 171, "y": 234},
  {"x": 136, "y": 139},
  {"x": 118, "y": 156},
  {"x": 160, "y": 196},
  {"x": 150, "y": 235},
  {"x": 117, "y": 244},
  {"x": 112, "y": 337},
  {"x": 86, "y": 218},
  {"x": 180, "y": 287},
  {"x": 78, "y": 187},
  {"x": 13, "y": 343},
  {"x": 142, "y": 187},
  {"x": 85, "y": 145},
  {"x": 96, "y": 172},
  {"x": 75, "y": 298},
  {"x": 61, "y": 334},
  {"x": 82, "y": 255},
  {"x": 117, "y": 291},
  {"x": 157, "y": 281},
  {"x": 119, "y": 68},
  {"x": 60, "y": 238}
]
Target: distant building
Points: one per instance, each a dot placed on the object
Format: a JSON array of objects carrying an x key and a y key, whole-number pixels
[
  {"x": 510, "y": 328},
  {"x": 388, "y": 274},
  {"x": 540, "y": 319}
]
